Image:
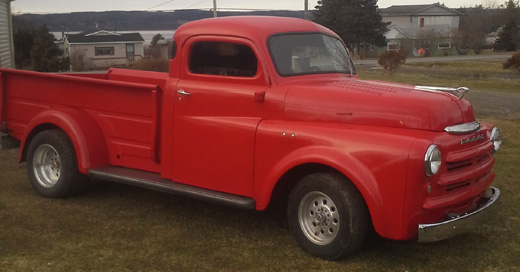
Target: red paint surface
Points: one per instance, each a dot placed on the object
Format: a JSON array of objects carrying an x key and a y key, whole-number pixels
[{"x": 235, "y": 135}]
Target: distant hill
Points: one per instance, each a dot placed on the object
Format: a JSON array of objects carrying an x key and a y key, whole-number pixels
[{"x": 129, "y": 20}]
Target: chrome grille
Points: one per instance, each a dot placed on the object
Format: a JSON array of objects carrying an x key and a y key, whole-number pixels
[{"x": 467, "y": 170}]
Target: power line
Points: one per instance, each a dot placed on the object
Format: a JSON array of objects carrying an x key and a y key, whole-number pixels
[
  {"x": 160, "y": 4},
  {"x": 197, "y": 4}
]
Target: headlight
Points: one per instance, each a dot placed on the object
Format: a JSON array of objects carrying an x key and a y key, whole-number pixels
[
  {"x": 432, "y": 160},
  {"x": 496, "y": 139}
]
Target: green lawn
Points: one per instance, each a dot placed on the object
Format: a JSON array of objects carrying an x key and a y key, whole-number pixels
[
  {"x": 477, "y": 75},
  {"x": 119, "y": 228}
]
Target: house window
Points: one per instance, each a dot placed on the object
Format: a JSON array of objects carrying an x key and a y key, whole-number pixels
[
  {"x": 444, "y": 43},
  {"x": 421, "y": 22},
  {"x": 221, "y": 58},
  {"x": 130, "y": 50},
  {"x": 394, "y": 46},
  {"x": 104, "y": 51}
]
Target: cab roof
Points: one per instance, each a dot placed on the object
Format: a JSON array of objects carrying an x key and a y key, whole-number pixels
[{"x": 255, "y": 28}]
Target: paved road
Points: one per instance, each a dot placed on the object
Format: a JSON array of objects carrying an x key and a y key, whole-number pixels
[
  {"x": 499, "y": 56},
  {"x": 495, "y": 104}
]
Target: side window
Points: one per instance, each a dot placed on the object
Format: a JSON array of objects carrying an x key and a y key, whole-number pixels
[
  {"x": 104, "y": 51},
  {"x": 221, "y": 58}
]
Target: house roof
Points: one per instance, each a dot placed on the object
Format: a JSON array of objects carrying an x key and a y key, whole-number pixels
[
  {"x": 103, "y": 36},
  {"x": 394, "y": 32},
  {"x": 418, "y": 10}
]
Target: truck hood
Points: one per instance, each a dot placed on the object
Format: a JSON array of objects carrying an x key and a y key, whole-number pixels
[{"x": 374, "y": 103}]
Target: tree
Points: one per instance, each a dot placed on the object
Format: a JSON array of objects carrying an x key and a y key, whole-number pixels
[
  {"x": 156, "y": 50},
  {"x": 509, "y": 38},
  {"x": 156, "y": 39},
  {"x": 78, "y": 61},
  {"x": 475, "y": 23},
  {"x": 23, "y": 42},
  {"x": 46, "y": 56},
  {"x": 357, "y": 22}
]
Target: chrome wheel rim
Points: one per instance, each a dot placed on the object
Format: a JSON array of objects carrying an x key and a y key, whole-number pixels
[
  {"x": 46, "y": 165},
  {"x": 319, "y": 218}
]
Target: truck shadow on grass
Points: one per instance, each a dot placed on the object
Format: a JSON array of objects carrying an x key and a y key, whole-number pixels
[{"x": 268, "y": 231}]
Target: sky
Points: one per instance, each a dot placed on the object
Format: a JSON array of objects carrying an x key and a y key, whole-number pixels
[{"x": 66, "y": 6}]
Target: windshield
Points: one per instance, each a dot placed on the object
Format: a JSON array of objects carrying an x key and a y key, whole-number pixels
[{"x": 309, "y": 53}]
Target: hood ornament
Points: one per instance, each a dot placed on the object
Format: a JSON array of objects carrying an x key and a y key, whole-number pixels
[{"x": 457, "y": 92}]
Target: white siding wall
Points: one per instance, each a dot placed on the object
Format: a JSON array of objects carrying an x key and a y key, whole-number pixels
[
  {"x": 119, "y": 58},
  {"x": 438, "y": 21},
  {"x": 401, "y": 22},
  {"x": 404, "y": 22},
  {"x": 6, "y": 50}
]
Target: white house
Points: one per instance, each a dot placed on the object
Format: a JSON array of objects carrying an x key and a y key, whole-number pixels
[
  {"x": 426, "y": 27},
  {"x": 102, "y": 49},
  {"x": 6, "y": 35}
]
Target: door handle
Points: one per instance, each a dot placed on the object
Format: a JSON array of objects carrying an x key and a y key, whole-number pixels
[{"x": 183, "y": 92}]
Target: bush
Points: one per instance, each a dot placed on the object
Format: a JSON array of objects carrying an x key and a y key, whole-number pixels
[
  {"x": 155, "y": 65},
  {"x": 513, "y": 62},
  {"x": 391, "y": 60}
]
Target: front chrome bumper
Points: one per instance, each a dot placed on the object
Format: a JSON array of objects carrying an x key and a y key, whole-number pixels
[{"x": 461, "y": 224}]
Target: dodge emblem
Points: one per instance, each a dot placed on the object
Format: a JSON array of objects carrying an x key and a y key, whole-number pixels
[{"x": 472, "y": 139}]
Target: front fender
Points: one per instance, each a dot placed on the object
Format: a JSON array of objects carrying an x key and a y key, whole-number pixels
[
  {"x": 85, "y": 135},
  {"x": 374, "y": 159},
  {"x": 349, "y": 166}
]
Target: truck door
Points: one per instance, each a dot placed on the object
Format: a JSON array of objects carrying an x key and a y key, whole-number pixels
[{"x": 216, "y": 114}]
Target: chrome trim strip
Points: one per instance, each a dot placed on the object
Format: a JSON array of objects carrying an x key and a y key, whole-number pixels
[
  {"x": 154, "y": 181},
  {"x": 461, "y": 224},
  {"x": 463, "y": 128},
  {"x": 457, "y": 92}
]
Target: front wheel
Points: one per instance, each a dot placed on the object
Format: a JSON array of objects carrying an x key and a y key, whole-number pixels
[
  {"x": 328, "y": 216},
  {"x": 52, "y": 165}
]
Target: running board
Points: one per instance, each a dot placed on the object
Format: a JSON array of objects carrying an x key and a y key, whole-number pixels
[{"x": 154, "y": 181}]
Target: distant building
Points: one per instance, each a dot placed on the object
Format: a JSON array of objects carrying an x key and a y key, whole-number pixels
[
  {"x": 165, "y": 49},
  {"x": 6, "y": 35},
  {"x": 421, "y": 29},
  {"x": 102, "y": 49}
]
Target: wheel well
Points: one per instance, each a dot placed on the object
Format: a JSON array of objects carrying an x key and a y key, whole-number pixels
[
  {"x": 33, "y": 133},
  {"x": 287, "y": 182},
  {"x": 282, "y": 190}
]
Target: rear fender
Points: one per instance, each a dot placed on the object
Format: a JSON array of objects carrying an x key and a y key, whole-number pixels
[{"x": 86, "y": 136}]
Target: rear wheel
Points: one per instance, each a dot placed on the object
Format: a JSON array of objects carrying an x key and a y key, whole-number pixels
[
  {"x": 52, "y": 165},
  {"x": 327, "y": 216}
]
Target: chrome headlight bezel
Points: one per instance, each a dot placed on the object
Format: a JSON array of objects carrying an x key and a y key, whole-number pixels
[
  {"x": 432, "y": 160},
  {"x": 496, "y": 139}
]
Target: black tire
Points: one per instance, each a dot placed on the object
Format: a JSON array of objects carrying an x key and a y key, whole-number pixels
[
  {"x": 328, "y": 216},
  {"x": 52, "y": 165}
]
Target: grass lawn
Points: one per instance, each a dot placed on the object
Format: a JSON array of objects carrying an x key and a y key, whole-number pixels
[
  {"x": 120, "y": 228},
  {"x": 477, "y": 75}
]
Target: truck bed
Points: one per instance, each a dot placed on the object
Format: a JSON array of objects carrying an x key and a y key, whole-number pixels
[{"x": 124, "y": 104}]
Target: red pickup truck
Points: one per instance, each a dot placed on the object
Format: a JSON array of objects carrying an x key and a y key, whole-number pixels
[{"x": 258, "y": 109}]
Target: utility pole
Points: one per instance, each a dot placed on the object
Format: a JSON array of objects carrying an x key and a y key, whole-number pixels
[
  {"x": 306, "y": 13},
  {"x": 215, "y": 8}
]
